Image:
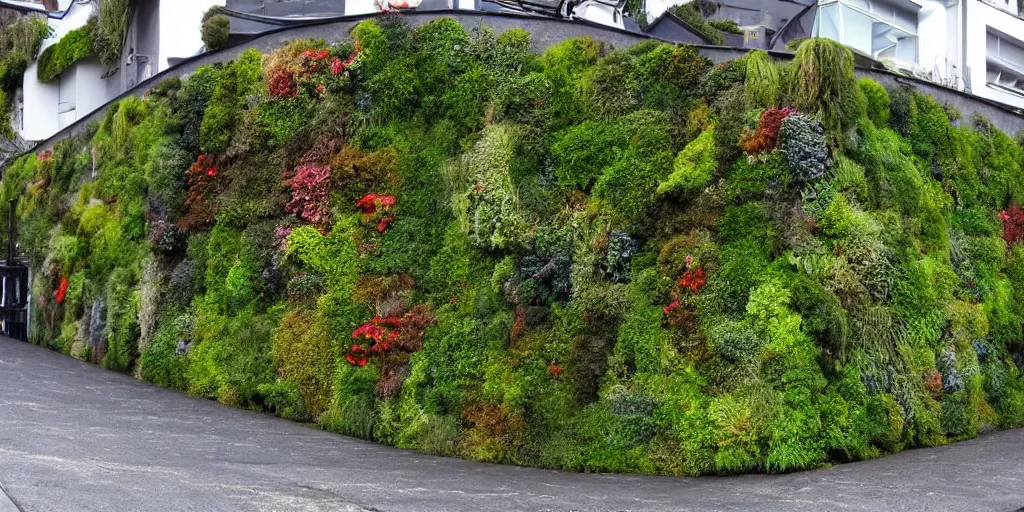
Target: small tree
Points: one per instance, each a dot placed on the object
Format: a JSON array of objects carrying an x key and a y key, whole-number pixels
[{"x": 216, "y": 30}]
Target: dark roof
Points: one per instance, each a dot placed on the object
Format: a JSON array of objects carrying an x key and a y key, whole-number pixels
[
  {"x": 796, "y": 28},
  {"x": 673, "y": 28},
  {"x": 769, "y": 13}
]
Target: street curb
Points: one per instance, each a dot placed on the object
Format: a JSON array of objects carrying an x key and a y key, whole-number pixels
[{"x": 6, "y": 503}]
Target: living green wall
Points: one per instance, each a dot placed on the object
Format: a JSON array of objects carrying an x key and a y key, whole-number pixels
[{"x": 590, "y": 259}]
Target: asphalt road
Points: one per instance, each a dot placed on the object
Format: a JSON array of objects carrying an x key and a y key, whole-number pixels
[{"x": 75, "y": 437}]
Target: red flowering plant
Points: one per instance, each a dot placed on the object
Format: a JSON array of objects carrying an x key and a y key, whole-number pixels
[
  {"x": 203, "y": 184},
  {"x": 377, "y": 211},
  {"x": 44, "y": 156},
  {"x": 1013, "y": 224},
  {"x": 682, "y": 311},
  {"x": 301, "y": 66},
  {"x": 310, "y": 188},
  {"x": 390, "y": 341},
  {"x": 62, "y": 290},
  {"x": 766, "y": 135}
]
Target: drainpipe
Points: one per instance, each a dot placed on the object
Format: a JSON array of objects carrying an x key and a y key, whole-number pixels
[{"x": 962, "y": 42}]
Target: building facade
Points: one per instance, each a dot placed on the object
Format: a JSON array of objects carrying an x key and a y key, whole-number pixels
[
  {"x": 159, "y": 32},
  {"x": 976, "y": 46}
]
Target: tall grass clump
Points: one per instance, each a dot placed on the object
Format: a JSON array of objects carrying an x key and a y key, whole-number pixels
[
  {"x": 762, "y": 81},
  {"x": 822, "y": 84}
]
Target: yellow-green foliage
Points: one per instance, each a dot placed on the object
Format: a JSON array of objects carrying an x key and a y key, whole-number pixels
[
  {"x": 694, "y": 166},
  {"x": 877, "y": 102},
  {"x": 560, "y": 260}
]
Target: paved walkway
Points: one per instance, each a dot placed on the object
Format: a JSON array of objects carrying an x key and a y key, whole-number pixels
[{"x": 75, "y": 437}]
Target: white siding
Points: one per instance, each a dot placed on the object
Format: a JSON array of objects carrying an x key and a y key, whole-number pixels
[
  {"x": 179, "y": 28},
  {"x": 981, "y": 19}
]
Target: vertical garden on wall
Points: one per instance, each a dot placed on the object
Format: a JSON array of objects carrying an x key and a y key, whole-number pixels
[{"x": 590, "y": 259}]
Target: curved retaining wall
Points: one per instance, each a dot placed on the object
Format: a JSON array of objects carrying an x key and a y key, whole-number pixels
[{"x": 544, "y": 32}]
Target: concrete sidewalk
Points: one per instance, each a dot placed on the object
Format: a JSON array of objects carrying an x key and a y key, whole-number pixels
[{"x": 75, "y": 437}]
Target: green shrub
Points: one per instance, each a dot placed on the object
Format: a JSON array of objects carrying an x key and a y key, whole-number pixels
[
  {"x": 216, "y": 31},
  {"x": 235, "y": 83},
  {"x": 691, "y": 15},
  {"x": 631, "y": 182},
  {"x": 581, "y": 153}
]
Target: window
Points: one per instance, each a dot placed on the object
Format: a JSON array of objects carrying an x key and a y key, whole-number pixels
[
  {"x": 882, "y": 30},
  {"x": 1004, "y": 59}
]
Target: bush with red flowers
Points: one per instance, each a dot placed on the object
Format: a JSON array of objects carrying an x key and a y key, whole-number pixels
[
  {"x": 693, "y": 280},
  {"x": 203, "y": 184},
  {"x": 384, "y": 336},
  {"x": 376, "y": 210}
]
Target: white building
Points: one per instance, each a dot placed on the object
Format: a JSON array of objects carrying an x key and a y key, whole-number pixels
[
  {"x": 160, "y": 31},
  {"x": 972, "y": 45}
]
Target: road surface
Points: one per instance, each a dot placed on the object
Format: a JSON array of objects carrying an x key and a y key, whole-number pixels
[{"x": 75, "y": 437}]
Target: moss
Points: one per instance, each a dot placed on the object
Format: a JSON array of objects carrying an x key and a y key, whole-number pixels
[
  {"x": 58, "y": 57},
  {"x": 693, "y": 167},
  {"x": 878, "y": 104}
]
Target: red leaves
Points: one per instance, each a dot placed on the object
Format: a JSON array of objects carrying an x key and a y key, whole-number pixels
[
  {"x": 44, "y": 156},
  {"x": 311, "y": 187},
  {"x": 338, "y": 66},
  {"x": 693, "y": 280},
  {"x": 371, "y": 202},
  {"x": 281, "y": 84},
  {"x": 766, "y": 135},
  {"x": 555, "y": 370},
  {"x": 1013, "y": 224},
  {"x": 200, "y": 177},
  {"x": 682, "y": 312},
  {"x": 375, "y": 208},
  {"x": 671, "y": 307},
  {"x": 62, "y": 290},
  {"x": 382, "y": 335}
]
